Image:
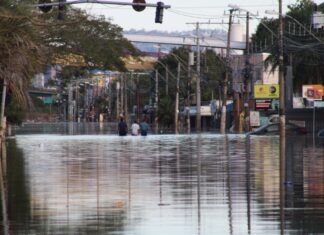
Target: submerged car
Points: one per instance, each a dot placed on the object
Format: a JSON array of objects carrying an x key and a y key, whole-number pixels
[
  {"x": 320, "y": 133},
  {"x": 274, "y": 129}
]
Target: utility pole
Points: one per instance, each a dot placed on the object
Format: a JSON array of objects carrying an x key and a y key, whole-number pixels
[
  {"x": 282, "y": 120},
  {"x": 156, "y": 121},
  {"x": 198, "y": 92},
  {"x": 137, "y": 99},
  {"x": 282, "y": 110},
  {"x": 122, "y": 93},
  {"x": 117, "y": 100},
  {"x": 166, "y": 80},
  {"x": 225, "y": 87},
  {"x": 190, "y": 62},
  {"x": 77, "y": 97},
  {"x": 70, "y": 103},
  {"x": 247, "y": 69},
  {"x": 176, "y": 113},
  {"x": 3, "y": 102},
  {"x": 197, "y": 75},
  {"x": 109, "y": 97},
  {"x": 126, "y": 101}
]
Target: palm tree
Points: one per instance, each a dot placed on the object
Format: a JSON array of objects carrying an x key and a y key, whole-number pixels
[{"x": 21, "y": 54}]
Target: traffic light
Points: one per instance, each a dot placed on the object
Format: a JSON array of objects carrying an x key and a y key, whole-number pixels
[
  {"x": 61, "y": 9},
  {"x": 45, "y": 9},
  {"x": 247, "y": 72},
  {"x": 159, "y": 12}
]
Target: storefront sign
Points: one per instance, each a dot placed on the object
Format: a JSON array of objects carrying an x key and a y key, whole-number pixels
[
  {"x": 313, "y": 92},
  {"x": 263, "y": 104},
  {"x": 319, "y": 104},
  {"x": 266, "y": 91},
  {"x": 254, "y": 118}
]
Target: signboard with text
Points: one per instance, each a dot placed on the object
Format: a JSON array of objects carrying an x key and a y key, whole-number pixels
[
  {"x": 263, "y": 104},
  {"x": 254, "y": 118},
  {"x": 319, "y": 104},
  {"x": 266, "y": 91},
  {"x": 313, "y": 92}
]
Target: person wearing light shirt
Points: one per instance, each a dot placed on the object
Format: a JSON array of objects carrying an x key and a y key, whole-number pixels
[{"x": 135, "y": 128}]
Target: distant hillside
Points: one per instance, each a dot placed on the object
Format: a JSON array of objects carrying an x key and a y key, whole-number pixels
[{"x": 150, "y": 47}]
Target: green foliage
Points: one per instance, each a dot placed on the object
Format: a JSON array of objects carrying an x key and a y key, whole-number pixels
[
  {"x": 212, "y": 74},
  {"x": 301, "y": 11},
  {"x": 96, "y": 39},
  {"x": 301, "y": 48},
  {"x": 15, "y": 112},
  {"x": 30, "y": 39},
  {"x": 69, "y": 73},
  {"x": 213, "y": 69},
  {"x": 21, "y": 49},
  {"x": 102, "y": 104},
  {"x": 166, "y": 111}
]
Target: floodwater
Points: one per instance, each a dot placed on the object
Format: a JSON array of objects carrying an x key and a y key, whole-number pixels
[{"x": 100, "y": 183}]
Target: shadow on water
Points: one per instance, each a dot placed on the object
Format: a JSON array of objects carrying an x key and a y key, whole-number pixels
[{"x": 162, "y": 184}]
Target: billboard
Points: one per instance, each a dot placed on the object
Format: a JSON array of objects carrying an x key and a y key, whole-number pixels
[
  {"x": 313, "y": 92},
  {"x": 266, "y": 91}
]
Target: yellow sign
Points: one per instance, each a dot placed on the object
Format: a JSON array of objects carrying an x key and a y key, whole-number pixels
[{"x": 266, "y": 91}]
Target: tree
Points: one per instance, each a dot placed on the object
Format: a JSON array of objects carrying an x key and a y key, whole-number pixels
[
  {"x": 301, "y": 49},
  {"x": 211, "y": 73},
  {"x": 99, "y": 42},
  {"x": 21, "y": 51},
  {"x": 30, "y": 39}
]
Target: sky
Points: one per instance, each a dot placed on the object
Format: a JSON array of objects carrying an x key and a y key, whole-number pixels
[{"x": 183, "y": 12}]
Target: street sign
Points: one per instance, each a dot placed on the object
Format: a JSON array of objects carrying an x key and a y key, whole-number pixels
[
  {"x": 263, "y": 104},
  {"x": 254, "y": 118},
  {"x": 319, "y": 104}
]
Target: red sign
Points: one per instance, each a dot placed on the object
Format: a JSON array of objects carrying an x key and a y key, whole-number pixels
[{"x": 262, "y": 104}]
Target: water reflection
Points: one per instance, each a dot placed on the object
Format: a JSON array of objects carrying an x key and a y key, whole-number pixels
[{"x": 190, "y": 184}]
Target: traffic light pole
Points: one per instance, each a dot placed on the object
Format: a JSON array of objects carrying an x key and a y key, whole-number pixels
[{"x": 101, "y": 2}]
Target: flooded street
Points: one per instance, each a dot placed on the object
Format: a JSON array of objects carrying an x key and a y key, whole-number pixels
[{"x": 99, "y": 183}]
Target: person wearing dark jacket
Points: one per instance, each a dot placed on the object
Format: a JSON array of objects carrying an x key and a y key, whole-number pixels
[{"x": 122, "y": 127}]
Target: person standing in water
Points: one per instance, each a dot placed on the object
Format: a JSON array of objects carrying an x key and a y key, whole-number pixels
[
  {"x": 122, "y": 127},
  {"x": 135, "y": 128},
  {"x": 144, "y": 127}
]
